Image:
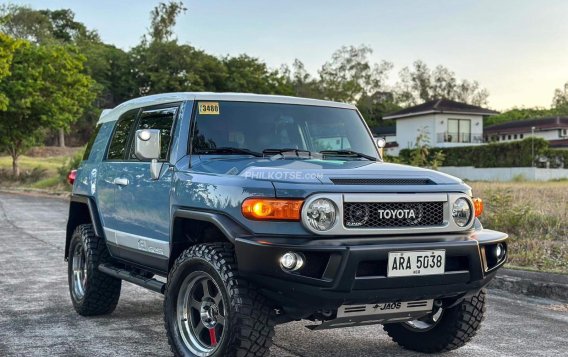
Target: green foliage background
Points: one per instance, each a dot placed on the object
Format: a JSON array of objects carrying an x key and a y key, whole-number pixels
[{"x": 514, "y": 154}]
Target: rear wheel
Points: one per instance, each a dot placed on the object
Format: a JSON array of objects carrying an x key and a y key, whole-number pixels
[
  {"x": 210, "y": 311},
  {"x": 443, "y": 329},
  {"x": 92, "y": 292}
]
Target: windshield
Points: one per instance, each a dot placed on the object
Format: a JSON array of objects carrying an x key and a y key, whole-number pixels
[{"x": 257, "y": 127}]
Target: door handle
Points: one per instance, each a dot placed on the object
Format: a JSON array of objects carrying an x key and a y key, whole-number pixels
[{"x": 120, "y": 181}]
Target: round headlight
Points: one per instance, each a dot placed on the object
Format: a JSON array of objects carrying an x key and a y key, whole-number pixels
[
  {"x": 321, "y": 214},
  {"x": 461, "y": 212}
]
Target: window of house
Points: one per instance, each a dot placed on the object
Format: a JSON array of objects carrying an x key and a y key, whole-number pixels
[
  {"x": 515, "y": 136},
  {"x": 508, "y": 137},
  {"x": 522, "y": 135},
  {"x": 503, "y": 137},
  {"x": 121, "y": 134},
  {"x": 459, "y": 131}
]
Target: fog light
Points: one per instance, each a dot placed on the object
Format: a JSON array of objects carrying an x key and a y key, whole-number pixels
[
  {"x": 499, "y": 251},
  {"x": 291, "y": 261}
]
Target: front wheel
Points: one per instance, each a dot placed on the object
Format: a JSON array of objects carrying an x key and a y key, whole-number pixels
[
  {"x": 210, "y": 311},
  {"x": 443, "y": 329}
]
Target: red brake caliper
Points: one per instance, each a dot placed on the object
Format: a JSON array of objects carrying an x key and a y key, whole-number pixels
[{"x": 213, "y": 336}]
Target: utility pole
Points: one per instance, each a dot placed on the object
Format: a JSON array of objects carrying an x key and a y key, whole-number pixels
[{"x": 532, "y": 145}]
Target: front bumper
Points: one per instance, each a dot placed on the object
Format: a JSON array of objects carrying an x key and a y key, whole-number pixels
[{"x": 341, "y": 270}]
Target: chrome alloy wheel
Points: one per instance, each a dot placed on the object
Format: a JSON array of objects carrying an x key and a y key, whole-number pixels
[
  {"x": 427, "y": 322},
  {"x": 201, "y": 314},
  {"x": 79, "y": 278}
]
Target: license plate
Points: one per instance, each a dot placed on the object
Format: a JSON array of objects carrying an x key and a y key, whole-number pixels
[{"x": 416, "y": 263}]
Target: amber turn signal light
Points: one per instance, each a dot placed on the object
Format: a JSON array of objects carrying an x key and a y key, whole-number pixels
[
  {"x": 478, "y": 206},
  {"x": 272, "y": 209}
]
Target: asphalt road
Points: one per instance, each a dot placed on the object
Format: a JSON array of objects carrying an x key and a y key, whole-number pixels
[{"x": 37, "y": 319}]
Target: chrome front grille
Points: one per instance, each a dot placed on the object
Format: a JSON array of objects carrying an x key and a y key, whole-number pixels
[{"x": 393, "y": 214}]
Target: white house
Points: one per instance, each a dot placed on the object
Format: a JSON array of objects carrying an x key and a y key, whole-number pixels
[
  {"x": 553, "y": 129},
  {"x": 445, "y": 123}
]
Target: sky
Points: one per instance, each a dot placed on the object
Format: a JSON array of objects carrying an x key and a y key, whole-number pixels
[{"x": 517, "y": 49}]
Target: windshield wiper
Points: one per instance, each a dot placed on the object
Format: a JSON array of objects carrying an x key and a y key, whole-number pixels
[
  {"x": 227, "y": 150},
  {"x": 283, "y": 151},
  {"x": 347, "y": 153}
]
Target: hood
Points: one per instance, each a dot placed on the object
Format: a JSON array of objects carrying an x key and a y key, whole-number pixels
[{"x": 316, "y": 171}]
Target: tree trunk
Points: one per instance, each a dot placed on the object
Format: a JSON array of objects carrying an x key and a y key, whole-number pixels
[
  {"x": 16, "y": 166},
  {"x": 61, "y": 138}
]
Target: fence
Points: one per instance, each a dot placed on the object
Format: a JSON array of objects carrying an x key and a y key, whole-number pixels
[{"x": 505, "y": 173}]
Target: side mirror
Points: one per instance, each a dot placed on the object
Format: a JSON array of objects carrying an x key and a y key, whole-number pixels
[
  {"x": 147, "y": 147},
  {"x": 147, "y": 144}
]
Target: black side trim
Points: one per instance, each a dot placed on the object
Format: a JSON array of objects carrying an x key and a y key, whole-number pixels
[{"x": 143, "y": 259}]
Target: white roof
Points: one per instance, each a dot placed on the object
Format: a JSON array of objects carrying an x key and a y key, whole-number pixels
[{"x": 156, "y": 99}]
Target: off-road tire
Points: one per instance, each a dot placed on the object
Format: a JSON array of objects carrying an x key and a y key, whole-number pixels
[
  {"x": 101, "y": 291},
  {"x": 250, "y": 317},
  {"x": 456, "y": 327}
]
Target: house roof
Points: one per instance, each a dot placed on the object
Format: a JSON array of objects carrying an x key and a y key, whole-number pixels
[
  {"x": 384, "y": 130},
  {"x": 440, "y": 106},
  {"x": 156, "y": 99},
  {"x": 524, "y": 126}
]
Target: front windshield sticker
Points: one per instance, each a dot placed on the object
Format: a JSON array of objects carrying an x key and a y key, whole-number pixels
[{"x": 209, "y": 108}]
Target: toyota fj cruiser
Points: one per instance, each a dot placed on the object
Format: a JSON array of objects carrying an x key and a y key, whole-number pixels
[{"x": 248, "y": 211}]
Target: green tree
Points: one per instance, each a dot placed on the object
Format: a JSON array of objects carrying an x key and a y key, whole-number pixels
[
  {"x": 421, "y": 84},
  {"x": 45, "y": 90},
  {"x": 349, "y": 74},
  {"x": 560, "y": 99},
  {"x": 373, "y": 107},
  {"x": 7, "y": 48},
  {"x": 163, "y": 18},
  {"x": 302, "y": 82},
  {"x": 107, "y": 65},
  {"x": 43, "y": 26},
  {"x": 250, "y": 75},
  {"x": 170, "y": 67}
]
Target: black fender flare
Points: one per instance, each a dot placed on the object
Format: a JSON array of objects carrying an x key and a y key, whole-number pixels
[
  {"x": 77, "y": 216},
  {"x": 228, "y": 226}
]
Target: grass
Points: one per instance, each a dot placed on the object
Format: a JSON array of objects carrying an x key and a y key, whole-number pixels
[
  {"x": 535, "y": 214},
  {"x": 28, "y": 163}
]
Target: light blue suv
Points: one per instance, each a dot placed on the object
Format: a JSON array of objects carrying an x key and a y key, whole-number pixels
[{"x": 259, "y": 210}]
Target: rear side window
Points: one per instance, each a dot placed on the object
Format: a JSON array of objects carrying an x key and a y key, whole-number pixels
[
  {"x": 91, "y": 142},
  {"x": 119, "y": 141},
  {"x": 161, "y": 119}
]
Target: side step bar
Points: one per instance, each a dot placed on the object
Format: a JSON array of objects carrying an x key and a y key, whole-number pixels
[{"x": 133, "y": 278}]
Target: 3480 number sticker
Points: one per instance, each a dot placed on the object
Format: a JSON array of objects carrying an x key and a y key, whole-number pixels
[{"x": 209, "y": 108}]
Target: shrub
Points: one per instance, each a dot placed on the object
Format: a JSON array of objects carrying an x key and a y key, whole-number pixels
[
  {"x": 537, "y": 239},
  {"x": 70, "y": 164},
  {"x": 36, "y": 174},
  {"x": 514, "y": 154}
]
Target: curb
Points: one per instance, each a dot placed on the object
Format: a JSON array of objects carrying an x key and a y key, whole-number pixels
[
  {"x": 36, "y": 192},
  {"x": 544, "y": 285}
]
